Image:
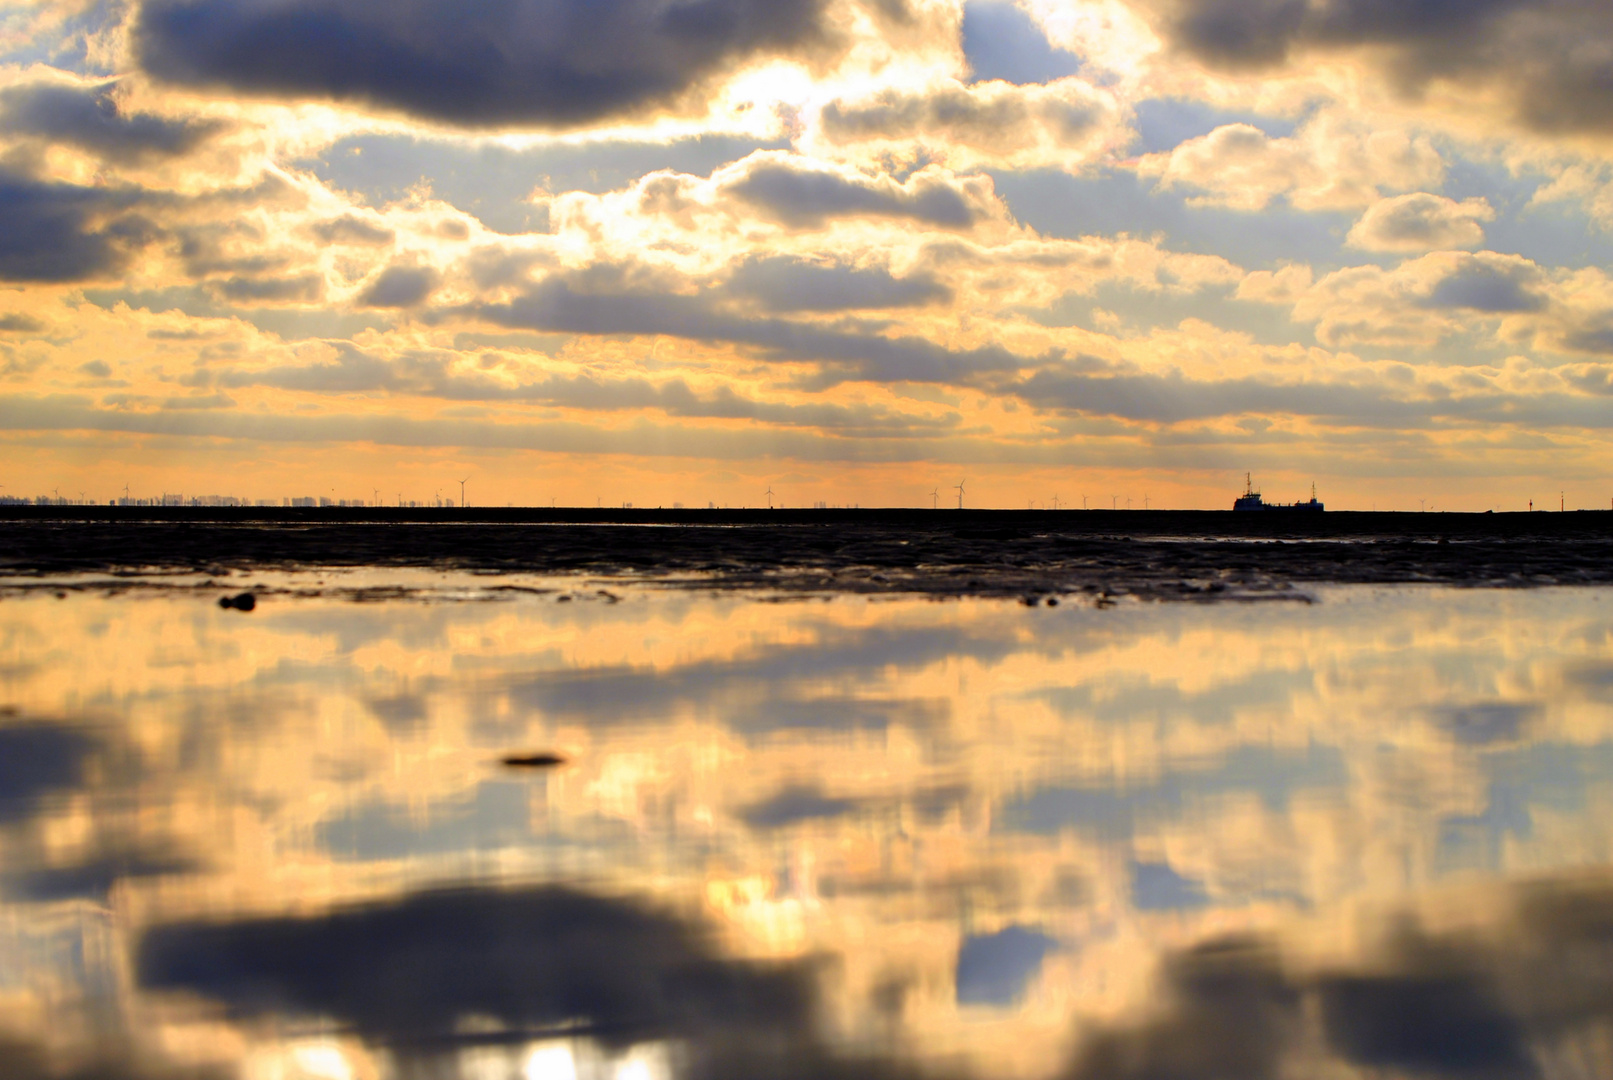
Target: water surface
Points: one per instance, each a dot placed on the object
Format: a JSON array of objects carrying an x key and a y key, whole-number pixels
[{"x": 1360, "y": 833}]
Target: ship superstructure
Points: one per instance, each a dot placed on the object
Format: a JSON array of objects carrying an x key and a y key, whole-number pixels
[{"x": 1251, "y": 500}]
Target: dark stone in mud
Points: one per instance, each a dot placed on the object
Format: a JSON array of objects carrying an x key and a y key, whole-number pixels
[{"x": 546, "y": 760}]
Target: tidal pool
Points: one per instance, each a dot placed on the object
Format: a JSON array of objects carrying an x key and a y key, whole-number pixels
[{"x": 744, "y": 836}]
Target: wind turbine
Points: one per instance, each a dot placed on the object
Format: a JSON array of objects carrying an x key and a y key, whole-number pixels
[
  {"x": 935, "y": 498},
  {"x": 770, "y": 496},
  {"x": 1055, "y": 501},
  {"x": 462, "y": 493},
  {"x": 959, "y": 488},
  {"x": 375, "y": 494}
]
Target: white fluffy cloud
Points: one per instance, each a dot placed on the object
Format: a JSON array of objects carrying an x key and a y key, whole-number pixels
[{"x": 1329, "y": 164}]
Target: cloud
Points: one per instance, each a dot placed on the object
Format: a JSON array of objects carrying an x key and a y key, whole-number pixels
[
  {"x": 1227, "y": 1009},
  {"x": 89, "y": 116},
  {"x": 302, "y": 289},
  {"x": 435, "y": 375},
  {"x": 90, "y": 877},
  {"x": 63, "y": 232},
  {"x": 352, "y": 371},
  {"x": 1421, "y": 222},
  {"x": 794, "y": 805},
  {"x": 36, "y": 761},
  {"x": 1493, "y": 1002},
  {"x": 416, "y": 967},
  {"x": 1329, "y": 164},
  {"x": 582, "y": 304},
  {"x": 1551, "y": 61},
  {"x": 781, "y": 283},
  {"x": 111, "y": 1059},
  {"x": 543, "y": 63},
  {"x": 1067, "y": 124},
  {"x": 400, "y": 287},
  {"x": 14, "y": 322},
  {"x": 1494, "y": 286},
  {"x": 1425, "y": 300},
  {"x": 804, "y": 194},
  {"x": 352, "y": 229}
]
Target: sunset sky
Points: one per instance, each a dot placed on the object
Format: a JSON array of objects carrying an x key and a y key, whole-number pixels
[{"x": 857, "y": 251}]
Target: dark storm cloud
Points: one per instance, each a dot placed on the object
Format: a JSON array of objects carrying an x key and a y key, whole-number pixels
[
  {"x": 414, "y": 968},
  {"x": 781, "y": 283},
  {"x": 89, "y": 117},
  {"x": 806, "y": 198},
  {"x": 1554, "y": 57},
  {"x": 61, "y": 232},
  {"x": 551, "y": 63},
  {"x": 399, "y": 287},
  {"x": 578, "y": 305}
]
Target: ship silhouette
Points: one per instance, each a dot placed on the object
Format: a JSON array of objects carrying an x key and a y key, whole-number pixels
[{"x": 1251, "y": 500}]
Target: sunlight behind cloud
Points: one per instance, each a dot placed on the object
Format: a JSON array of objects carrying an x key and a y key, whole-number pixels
[{"x": 797, "y": 212}]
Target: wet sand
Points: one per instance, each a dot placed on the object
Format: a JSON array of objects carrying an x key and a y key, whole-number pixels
[{"x": 1158, "y": 554}]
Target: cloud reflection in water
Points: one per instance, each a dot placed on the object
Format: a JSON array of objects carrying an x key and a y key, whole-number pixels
[{"x": 833, "y": 838}]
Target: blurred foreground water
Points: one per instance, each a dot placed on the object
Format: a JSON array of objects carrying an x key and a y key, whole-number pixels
[{"x": 1367, "y": 836}]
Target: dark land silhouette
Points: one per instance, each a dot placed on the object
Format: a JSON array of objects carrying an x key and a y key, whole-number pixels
[{"x": 1025, "y": 553}]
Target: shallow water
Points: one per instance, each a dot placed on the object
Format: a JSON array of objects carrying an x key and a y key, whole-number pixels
[{"x": 1366, "y": 835}]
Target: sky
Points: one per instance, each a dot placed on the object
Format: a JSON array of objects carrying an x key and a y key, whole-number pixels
[{"x": 593, "y": 252}]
